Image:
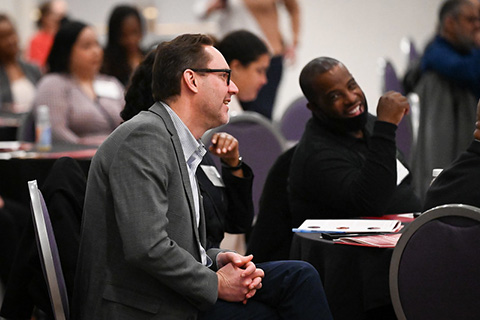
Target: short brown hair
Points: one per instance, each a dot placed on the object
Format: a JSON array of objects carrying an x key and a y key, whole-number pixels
[{"x": 171, "y": 60}]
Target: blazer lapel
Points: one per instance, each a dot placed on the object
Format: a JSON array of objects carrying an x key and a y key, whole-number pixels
[{"x": 158, "y": 109}]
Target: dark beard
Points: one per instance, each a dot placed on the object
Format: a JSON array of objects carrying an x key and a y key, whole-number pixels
[{"x": 344, "y": 125}]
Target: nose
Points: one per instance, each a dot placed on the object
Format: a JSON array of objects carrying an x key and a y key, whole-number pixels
[
  {"x": 351, "y": 96},
  {"x": 477, "y": 24},
  {"x": 98, "y": 51},
  {"x": 264, "y": 79},
  {"x": 12, "y": 40},
  {"x": 232, "y": 88}
]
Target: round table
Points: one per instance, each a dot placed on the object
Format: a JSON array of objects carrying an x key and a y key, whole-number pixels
[{"x": 355, "y": 279}]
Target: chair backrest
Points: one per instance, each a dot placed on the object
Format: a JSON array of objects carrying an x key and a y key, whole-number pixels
[
  {"x": 407, "y": 130},
  {"x": 272, "y": 235},
  {"x": 409, "y": 49},
  {"x": 390, "y": 81},
  {"x": 48, "y": 253},
  {"x": 434, "y": 267},
  {"x": 292, "y": 123},
  {"x": 389, "y": 77},
  {"x": 260, "y": 145}
]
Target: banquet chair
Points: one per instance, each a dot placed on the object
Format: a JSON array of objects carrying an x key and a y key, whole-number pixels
[
  {"x": 413, "y": 117},
  {"x": 434, "y": 267},
  {"x": 292, "y": 123},
  {"x": 408, "y": 48},
  {"x": 272, "y": 234},
  {"x": 389, "y": 76},
  {"x": 49, "y": 257},
  {"x": 63, "y": 191},
  {"x": 260, "y": 145},
  {"x": 391, "y": 82}
]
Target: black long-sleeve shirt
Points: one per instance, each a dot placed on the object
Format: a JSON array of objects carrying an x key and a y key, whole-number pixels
[
  {"x": 334, "y": 175},
  {"x": 458, "y": 183},
  {"x": 228, "y": 209}
]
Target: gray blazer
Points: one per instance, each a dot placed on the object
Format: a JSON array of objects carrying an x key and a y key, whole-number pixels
[
  {"x": 139, "y": 255},
  {"x": 447, "y": 120}
]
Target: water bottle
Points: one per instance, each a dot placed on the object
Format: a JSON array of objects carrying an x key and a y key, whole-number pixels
[{"x": 43, "y": 129}]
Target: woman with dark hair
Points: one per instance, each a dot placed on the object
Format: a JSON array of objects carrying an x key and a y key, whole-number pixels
[
  {"x": 227, "y": 201},
  {"x": 17, "y": 78},
  {"x": 249, "y": 59},
  {"x": 84, "y": 105},
  {"x": 138, "y": 95},
  {"x": 123, "y": 53}
]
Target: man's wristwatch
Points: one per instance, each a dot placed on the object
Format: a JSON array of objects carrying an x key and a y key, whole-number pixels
[{"x": 237, "y": 167}]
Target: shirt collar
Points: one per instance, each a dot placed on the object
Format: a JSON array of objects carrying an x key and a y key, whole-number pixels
[{"x": 191, "y": 147}]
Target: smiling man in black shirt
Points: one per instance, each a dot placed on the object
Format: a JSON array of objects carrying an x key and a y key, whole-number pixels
[{"x": 346, "y": 163}]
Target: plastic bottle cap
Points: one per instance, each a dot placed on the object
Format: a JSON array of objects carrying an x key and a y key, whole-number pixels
[{"x": 43, "y": 113}]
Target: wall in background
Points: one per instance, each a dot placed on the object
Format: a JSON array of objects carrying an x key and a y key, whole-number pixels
[{"x": 357, "y": 32}]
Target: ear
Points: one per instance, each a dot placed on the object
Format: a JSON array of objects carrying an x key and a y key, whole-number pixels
[
  {"x": 235, "y": 64},
  {"x": 449, "y": 24},
  {"x": 314, "y": 109},
  {"x": 310, "y": 106},
  {"x": 191, "y": 80}
]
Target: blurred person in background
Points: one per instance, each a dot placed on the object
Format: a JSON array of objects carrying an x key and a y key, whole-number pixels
[
  {"x": 260, "y": 17},
  {"x": 123, "y": 52},
  {"x": 447, "y": 81},
  {"x": 249, "y": 59},
  {"x": 17, "y": 77},
  {"x": 453, "y": 53},
  {"x": 84, "y": 104},
  {"x": 51, "y": 14},
  {"x": 476, "y": 3}
]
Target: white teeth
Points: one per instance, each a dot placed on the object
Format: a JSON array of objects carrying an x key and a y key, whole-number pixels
[{"x": 355, "y": 110}]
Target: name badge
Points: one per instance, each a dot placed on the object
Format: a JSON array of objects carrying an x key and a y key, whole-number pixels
[
  {"x": 212, "y": 174},
  {"x": 402, "y": 172},
  {"x": 106, "y": 89}
]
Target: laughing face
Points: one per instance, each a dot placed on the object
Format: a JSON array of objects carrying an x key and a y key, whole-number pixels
[
  {"x": 216, "y": 92},
  {"x": 339, "y": 95}
]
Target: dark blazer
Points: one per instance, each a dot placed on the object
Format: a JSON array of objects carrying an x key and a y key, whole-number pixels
[
  {"x": 459, "y": 182},
  {"x": 139, "y": 254},
  {"x": 227, "y": 209}
]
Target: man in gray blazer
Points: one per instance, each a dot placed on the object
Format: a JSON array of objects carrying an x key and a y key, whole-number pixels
[{"x": 143, "y": 235}]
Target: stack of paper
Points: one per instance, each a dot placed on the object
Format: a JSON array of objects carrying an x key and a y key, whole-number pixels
[
  {"x": 349, "y": 225},
  {"x": 379, "y": 241}
]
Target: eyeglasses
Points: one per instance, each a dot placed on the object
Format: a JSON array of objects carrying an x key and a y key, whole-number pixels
[{"x": 227, "y": 71}]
